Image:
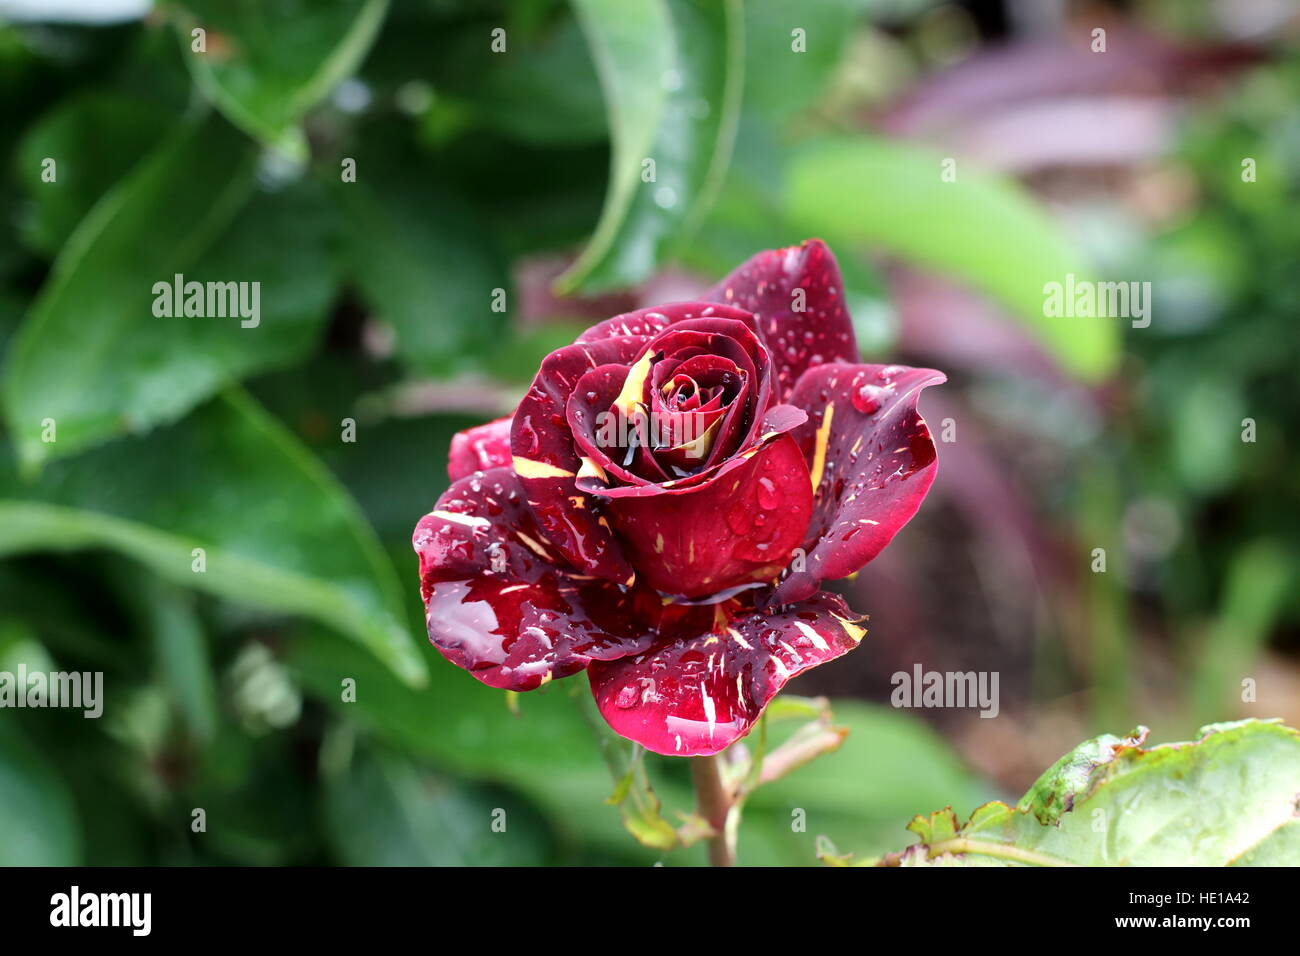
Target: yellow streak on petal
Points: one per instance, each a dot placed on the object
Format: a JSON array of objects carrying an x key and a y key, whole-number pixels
[
  {"x": 527, "y": 468},
  {"x": 762, "y": 443},
  {"x": 634, "y": 385},
  {"x": 590, "y": 469},
  {"x": 469, "y": 521},
  {"x": 854, "y": 632},
  {"x": 532, "y": 545},
  {"x": 819, "y": 449},
  {"x": 700, "y": 447}
]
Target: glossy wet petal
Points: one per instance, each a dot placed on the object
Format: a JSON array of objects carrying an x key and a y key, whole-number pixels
[
  {"x": 696, "y": 693},
  {"x": 736, "y": 527},
  {"x": 620, "y": 443},
  {"x": 547, "y": 461},
  {"x": 651, "y": 321},
  {"x": 871, "y": 460},
  {"x": 502, "y": 604},
  {"x": 479, "y": 448},
  {"x": 740, "y": 345},
  {"x": 797, "y": 296}
]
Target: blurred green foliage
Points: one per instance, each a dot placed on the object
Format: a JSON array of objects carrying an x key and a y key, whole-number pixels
[{"x": 225, "y": 686}]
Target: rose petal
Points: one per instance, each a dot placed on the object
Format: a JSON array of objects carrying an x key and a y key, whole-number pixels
[
  {"x": 547, "y": 462},
  {"x": 871, "y": 458},
  {"x": 684, "y": 342},
  {"x": 778, "y": 420},
  {"x": 738, "y": 526},
  {"x": 499, "y": 601},
  {"x": 689, "y": 406},
  {"x": 479, "y": 448},
  {"x": 652, "y": 321},
  {"x": 599, "y": 432},
  {"x": 695, "y": 694},
  {"x": 739, "y": 343},
  {"x": 798, "y": 340}
]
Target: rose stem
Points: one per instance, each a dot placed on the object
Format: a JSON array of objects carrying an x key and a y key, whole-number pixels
[{"x": 713, "y": 803}]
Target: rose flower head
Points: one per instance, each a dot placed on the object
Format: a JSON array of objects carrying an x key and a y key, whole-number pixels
[{"x": 664, "y": 504}]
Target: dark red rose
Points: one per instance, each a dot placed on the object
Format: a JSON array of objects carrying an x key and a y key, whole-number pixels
[{"x": 663, "y": 505}]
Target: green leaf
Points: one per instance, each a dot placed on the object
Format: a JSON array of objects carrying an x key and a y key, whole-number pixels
[
  {"x": 672, "y": 74},
  {"x": 383, "y": 810},
  {"x": 267, "y": 64},
  {"x": 91, "y": 356},
  {"x": 980, "y": 229},
  {"x": 38, "y": 819},
  {"x": 1227, "y": 799},
  {"x": 634, "y": 795},
  {"x": 425, "y": 266},
  {"x": 779, "y": 81},
  {"x": 277, "y": 529},
  {"x": 911, "y": 765},
  {"x": 181, "y": 653},
  {"x": 457, "y": 721},
  {"x": 162, "y": 367},
  {"x": 95, "y": 140},
  {"x": 260, "y": 803},
  {"x": 543, "y": 91},
  {"x": 546, "y": 750}
]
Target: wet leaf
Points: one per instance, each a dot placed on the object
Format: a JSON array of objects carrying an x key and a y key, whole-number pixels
[
  {"x": 150, "y": 226},
  {"x": 277, "y": 530},
  {"x": 672, "y": 74},
  {"x": 266, "y": 64},
  {"x": 1228, "y": 798}
]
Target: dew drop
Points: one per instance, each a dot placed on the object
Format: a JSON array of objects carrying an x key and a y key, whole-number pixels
[
  {"x": 740, "y": 518},
  {"x": 528, "y": 435},
  {"x": 867, "y": 399}
]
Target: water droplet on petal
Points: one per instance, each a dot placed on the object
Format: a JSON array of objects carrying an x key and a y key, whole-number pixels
[
  {"x": 867, "y": 399},
  {"x": 740, "y": 518}
]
